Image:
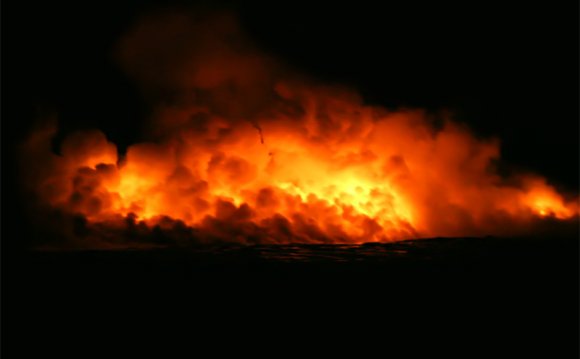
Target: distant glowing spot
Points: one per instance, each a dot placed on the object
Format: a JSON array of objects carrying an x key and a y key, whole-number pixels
[
  {"x": 543, "y": 212},
  {"x": 548, "y": 204}
]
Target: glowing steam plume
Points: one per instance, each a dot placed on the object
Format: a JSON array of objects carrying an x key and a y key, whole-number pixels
[{"x": 242, "y": 150}]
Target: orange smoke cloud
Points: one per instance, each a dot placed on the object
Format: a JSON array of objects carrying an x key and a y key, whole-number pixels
[{"x": 243, "y": 151}]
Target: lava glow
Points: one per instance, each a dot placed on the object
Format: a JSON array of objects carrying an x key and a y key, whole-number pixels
[{"x": 279, "y": 160}]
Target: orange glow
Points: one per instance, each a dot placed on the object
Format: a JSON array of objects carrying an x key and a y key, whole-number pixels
[
  {"x": 544, "y": 201},
  {"x": 281, "y": 160},
  {"x": 393, "y": 178}
]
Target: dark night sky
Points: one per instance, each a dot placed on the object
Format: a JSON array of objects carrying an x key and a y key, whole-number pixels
[{"x": 505, "y": 69}]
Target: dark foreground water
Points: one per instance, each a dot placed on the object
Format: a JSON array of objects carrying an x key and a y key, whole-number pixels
[{"x": 461, "y": 297}]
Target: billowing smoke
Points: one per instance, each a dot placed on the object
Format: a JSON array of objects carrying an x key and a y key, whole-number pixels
[{"x": 240, "y": 149}]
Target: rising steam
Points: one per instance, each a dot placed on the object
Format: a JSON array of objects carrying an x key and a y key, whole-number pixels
[{"x": 243, "y": 150}]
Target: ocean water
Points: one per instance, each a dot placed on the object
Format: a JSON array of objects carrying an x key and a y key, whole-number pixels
[{"x": 516, "y": 296}]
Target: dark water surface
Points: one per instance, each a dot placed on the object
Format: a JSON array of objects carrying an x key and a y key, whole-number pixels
[{"x": 502, "y": 297}]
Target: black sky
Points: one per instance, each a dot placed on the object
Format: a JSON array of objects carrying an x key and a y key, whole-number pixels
[{"x": 507, "y": 70}]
